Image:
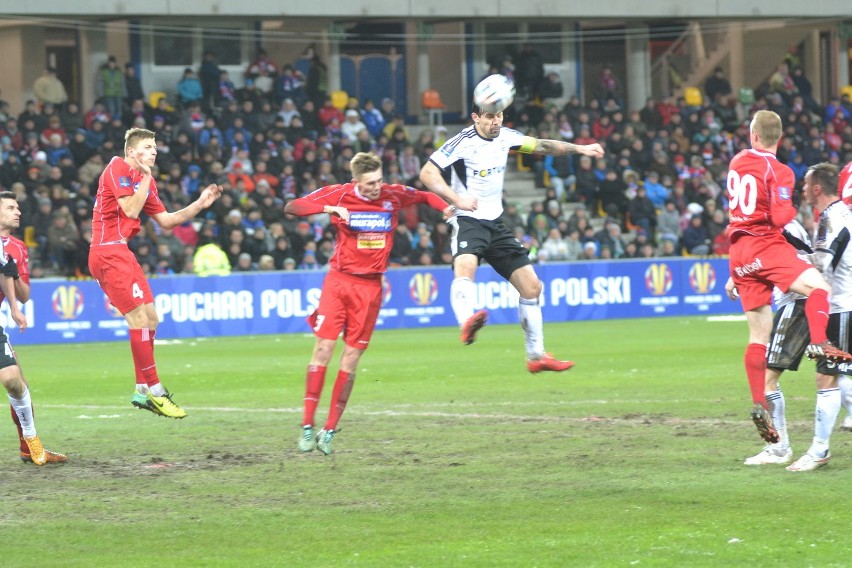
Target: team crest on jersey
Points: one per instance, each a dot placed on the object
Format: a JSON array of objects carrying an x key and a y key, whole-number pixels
[
  {"x": 784, "y": 193},
  {"x": 387, "y": 205},
  {"x": 124, "y": 181}
]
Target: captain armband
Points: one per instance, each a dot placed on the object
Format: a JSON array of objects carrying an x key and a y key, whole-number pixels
[{"x": 527, "y": 145}]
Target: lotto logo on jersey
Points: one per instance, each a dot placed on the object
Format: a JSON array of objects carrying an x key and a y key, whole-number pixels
[
  {"x": 373, "y": 222},
  {"x": 702, "y": 277},
  {"x": 423, "y": 288},
  {"x": 371, "y": 241},
  {"x": 67, "y": 302},
  {"x": 658, "y": 279}
]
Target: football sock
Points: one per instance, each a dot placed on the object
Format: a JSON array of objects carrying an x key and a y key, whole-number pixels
[
  {"x": 778, "y": 408},
  {"x": 816, "y": 311},
  {"x": 845, "y": 385},
  {"x": 23, "y": 407},
  {"x": 462, "y": 296},
  {"x": 755, "y": 364},
  {"x": 339, "y": 397},
  {"x": 142, "y": 348},
  {"x": 529, "y": 313},
  {"x": 819, "y": 448},
  {"x": 827, "y": 409},
  {"x": 157, "y": 390},
  {"x": 313, "y": 387},
  {"x": 141, "y": 382},
  {"x": 24, "y": 447}
]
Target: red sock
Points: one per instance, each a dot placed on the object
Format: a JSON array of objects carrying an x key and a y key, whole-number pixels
[
  {"x": 755, "y": 364},
  {"x": 339, "y": 397},
  {"x": 816, "y": 311},
  {"x": 143, "y": 356},
  {"x": 313, "y": 387},
  {"x": 24, "y": 447}
]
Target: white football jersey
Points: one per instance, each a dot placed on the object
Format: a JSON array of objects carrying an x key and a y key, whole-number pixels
[
  {"x": 795, "y": 229},
  {"x": 478, "y": 167},
  {"x": 833, "y": 254}
]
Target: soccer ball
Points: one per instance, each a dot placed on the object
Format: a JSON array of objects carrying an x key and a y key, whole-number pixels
[{"x": 494, "y": 93}]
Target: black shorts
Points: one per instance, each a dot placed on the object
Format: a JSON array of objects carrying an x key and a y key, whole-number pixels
[
  {"x": 790, "y": 336},
  {"x": 840, "y": 335},
  {"x": 7, "y": 354},
  {"x": 489, "y": 240}
]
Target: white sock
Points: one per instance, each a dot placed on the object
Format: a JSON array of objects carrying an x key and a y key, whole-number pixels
[
  {"x": 462, "y": 298},
  {"x": 845, "y": 385},
  {"x": 827, "y": 409},
  {"x": 778, "y": 409},
  {"x": 158, "y": 390},
  {"x": 24, "y": 409},
  {"x": 142, "y": 389},
  {"x": 529, "y": 312}
]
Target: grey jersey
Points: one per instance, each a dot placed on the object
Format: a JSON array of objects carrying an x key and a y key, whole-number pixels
[
  {"x": 478, "y": 167},
  {"x": 833, "y": 254}
]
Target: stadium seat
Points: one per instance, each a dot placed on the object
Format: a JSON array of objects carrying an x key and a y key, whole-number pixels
[
  {"x": 432, "y": 103},
  {"x": 339, "y": 99},
  {"x": 846, "y": 92},
  {"x": 29, "y": 237},
  {"x": 154, "y": 98},
  {"x": 692, "y": 97}
]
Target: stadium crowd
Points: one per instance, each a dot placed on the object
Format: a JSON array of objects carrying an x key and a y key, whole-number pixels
[{"x": 658, "y": 192}]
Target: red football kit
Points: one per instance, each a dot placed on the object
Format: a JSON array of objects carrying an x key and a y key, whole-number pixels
[
  {"x": 844, "y": 184},
  {"x": 760, "y": 204},
  {"x": 15, "y": 248},
  {"x": 352, "y": 290},
  {"x": 111, "y": 262}
]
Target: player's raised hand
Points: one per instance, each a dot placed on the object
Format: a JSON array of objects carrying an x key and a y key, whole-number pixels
[
  {"x": 594, "y": 150},
  {"x": 341, "y": 212},
  {"x": 144, "y": 168},
  {"x": 210, "y": 194},
  {"x": 466, "y": 202}
]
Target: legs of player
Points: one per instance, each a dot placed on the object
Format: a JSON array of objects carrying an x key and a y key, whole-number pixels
[
  {"x": 779, "y": 452},
  {"x": 343, "y": 385},
  {"x": 19, "y": 398},
  {"x": 812, "y": 284},
  {"x": 759, "y": 330},
  {"x": 845, "y": 385},
  {"x": 143, "y": 322},
  {"x": 529, "y": 287},
  {"x": 314, "y": 380},
  {"x": 827, "y": 409},
  {"x": 463, "y": 297},
  {"x": 50, "y": 457}
]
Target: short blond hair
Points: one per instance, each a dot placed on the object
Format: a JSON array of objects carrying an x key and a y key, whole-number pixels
[
  {"x": 767, "y": 125},
  {"x": 364, "y": 163},
  {"x": 135, "y": 135}
]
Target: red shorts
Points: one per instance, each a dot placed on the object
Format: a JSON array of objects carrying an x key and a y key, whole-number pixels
[
  {"x": 350, "y": 304},
  {"x": 760, "y": 263},
  {"x": 120, "y": 276}
]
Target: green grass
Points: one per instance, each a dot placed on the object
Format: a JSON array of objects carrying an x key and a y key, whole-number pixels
[{"x": 449, "y": 456}]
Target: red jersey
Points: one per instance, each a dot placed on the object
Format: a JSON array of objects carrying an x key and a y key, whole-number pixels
[
  {"x": 760, "y": 192},
  {"x": 109, "y": 222},
  {"x": 844, "y": 184},
  {"x": 363, "y": 246},
  {"x": 15, "y": 248}
]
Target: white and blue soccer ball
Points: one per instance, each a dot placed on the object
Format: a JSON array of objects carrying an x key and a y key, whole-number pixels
[{"x": 494, "y": 93}]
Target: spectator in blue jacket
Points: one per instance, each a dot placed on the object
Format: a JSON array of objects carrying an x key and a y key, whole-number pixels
[
  {"x": 189, "y": 88},
  {"x": 656, "y": 191}
]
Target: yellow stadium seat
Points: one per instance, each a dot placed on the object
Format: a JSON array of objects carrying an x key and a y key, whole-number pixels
[
  {"x": 154, "y": 98},
  {"x": 29, "y": 237},
  {"x": 339, "y": 99},
  {"x": 846, "y": 92},
  {"x": 692, "y": 96}
]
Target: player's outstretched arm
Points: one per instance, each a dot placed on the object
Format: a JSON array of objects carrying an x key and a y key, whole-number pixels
[
  {"x": 558, "y": 148},
  {"x": 171, "y": 220}
]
